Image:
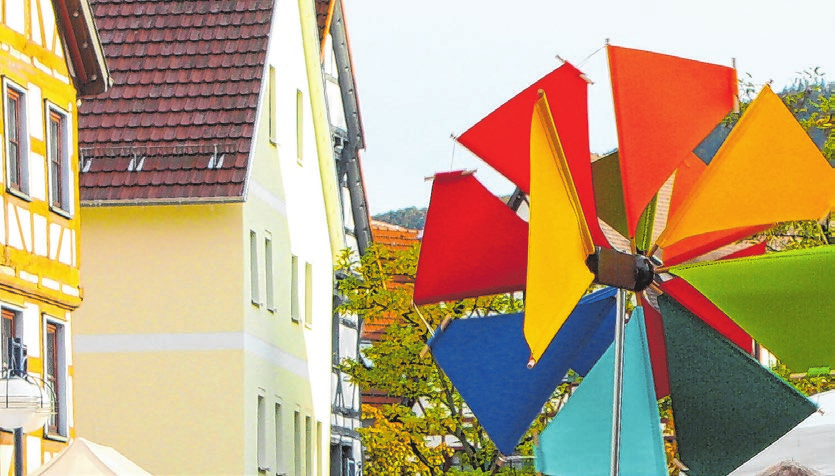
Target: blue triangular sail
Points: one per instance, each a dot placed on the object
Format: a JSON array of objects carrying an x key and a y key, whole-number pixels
[
  {"x": 486, "y": 359},
  {"x": 578, "y": 441}
]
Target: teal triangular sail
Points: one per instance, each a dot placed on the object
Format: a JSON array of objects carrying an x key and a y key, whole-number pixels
[
  {"x": 727, "y": 407},
  {"x": 578, "y": 441}
]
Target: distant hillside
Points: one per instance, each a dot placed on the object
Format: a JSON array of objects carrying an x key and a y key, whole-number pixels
[{"x": 411, "y": 217}]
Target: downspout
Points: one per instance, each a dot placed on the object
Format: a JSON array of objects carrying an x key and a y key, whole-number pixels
[{"x": 321, "y": 126}]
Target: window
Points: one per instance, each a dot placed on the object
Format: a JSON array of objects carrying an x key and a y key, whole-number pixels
[
  {"x": 55, "y": 375},
  {"x": 297, "y": 444},
  {"x": 17, "y": 136},
  {"x": 272, "y": 107},
  {"x": 268, "y": 271},
  {"x": 59, "y": 160},
  {"x": 294, "y": 288},
  {"x": 253, "y": 268},
  {"x": 308, "y": 294},
  {"x": 10, "y": 325},
  {"x": 318, "y": 448},
  {"x": 279, "y": 439},
  {"x": 299, "y": 126},
  {"x": 308, "y": 446},
  {"x": 262, "y": 435}
]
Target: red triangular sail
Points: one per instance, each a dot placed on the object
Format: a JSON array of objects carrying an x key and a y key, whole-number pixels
[
  {"x": 664, "y": 107},
  {"x": 502, "y": 138},
  {"x": 657, "y": 351},
  {"x": 473, "y": 244}
]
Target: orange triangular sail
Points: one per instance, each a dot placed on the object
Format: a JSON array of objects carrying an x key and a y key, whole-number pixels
[
  {"x": 664, "y": 107},
  {"x": 687, "y": 174},
  {"x": 767, "y": 171},
  {"x": 559, "y": 239}
]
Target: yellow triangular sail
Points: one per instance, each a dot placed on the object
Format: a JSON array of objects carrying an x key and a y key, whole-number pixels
[
  {"x": 559, "y": 238},
  {"x": 767, "y": 171}
]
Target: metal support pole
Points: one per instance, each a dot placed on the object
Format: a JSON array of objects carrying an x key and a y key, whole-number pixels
[
  {"x": 18, "y": 452},
  {"x": 617, "y": 400}
]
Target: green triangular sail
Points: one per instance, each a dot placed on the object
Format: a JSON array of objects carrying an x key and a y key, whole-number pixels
[
  {"x": 727, "y": 407},
  {"x": 578, "y": 441},
  {"x": 608, "y": 195},
  {"x": 784, "y": 300}
]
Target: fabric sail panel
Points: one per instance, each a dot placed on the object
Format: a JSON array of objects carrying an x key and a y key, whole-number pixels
[
  {"x": 558, "y": 237},
  {"x": 657, "y": 351},
  {"x": 727, "y": 406},
  {"x": 502, "y": 138},
  {"x": 660, "y": 121},
  {"x": 780, "y": 299},
  {"x": 597, "y": 345},
  {"x": 695, "y": 246},
  {"x": 687, "y": 174},
  {"x": 700, "y": 306},
  {"x": 578, "y": 441},
  {"x": 486, "y": 359},
  {"x": 767, "y": 154},
  {"x": 608, "y": 192},
  {"x": 460, "y": 256}
]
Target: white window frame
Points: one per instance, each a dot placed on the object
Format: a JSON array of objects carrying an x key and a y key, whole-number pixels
[
  {"x": 269, "y": 272},
  {"x": 273, "y": 105},
  {"x": 279, "y": 443},
  {"x": 299, "y": 127},
  {"x": 62, "y": 376},
  {"x": 22, "y": 190},
  {"x": 17, "y": 326},
  {"x": 254, "y": 278},
  {"x": 261, "y": 434},
  {"x": 295, "y": 302},
  {"x": 66, "y": 206},
  {"x": 308, "y": 294}
]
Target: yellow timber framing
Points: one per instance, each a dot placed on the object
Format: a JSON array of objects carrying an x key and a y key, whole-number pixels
[{"x": 26, "y": 63}]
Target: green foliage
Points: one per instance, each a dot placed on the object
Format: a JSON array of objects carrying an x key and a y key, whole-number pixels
[
  {"x": 411, "y": 217},
  {"x": 807, "y": 385},
  {"x": 406, "y": 436}
]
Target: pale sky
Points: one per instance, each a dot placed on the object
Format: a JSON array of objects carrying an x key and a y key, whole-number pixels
[{"x": 429, "y": 69}]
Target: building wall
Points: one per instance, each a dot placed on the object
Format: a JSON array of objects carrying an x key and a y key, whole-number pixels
[
  {"x": 345, "y": 442},
  {"x": 160, "y": 339},
  {"x": 39, "y": 275},
  {"x": 289, "y": 365}
]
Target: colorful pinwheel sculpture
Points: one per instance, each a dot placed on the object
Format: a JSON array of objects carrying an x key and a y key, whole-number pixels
[{"x": 655, "y": 219}]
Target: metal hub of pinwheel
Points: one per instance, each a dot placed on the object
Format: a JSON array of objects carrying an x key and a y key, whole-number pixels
[{"x": 632, "y": 272}]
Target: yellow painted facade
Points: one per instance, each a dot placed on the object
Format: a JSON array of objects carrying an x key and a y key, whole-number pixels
[{"x": 39, "y": 244}]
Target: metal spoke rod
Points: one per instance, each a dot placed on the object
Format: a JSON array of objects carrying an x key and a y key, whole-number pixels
[{"x": 617, "y": 400}]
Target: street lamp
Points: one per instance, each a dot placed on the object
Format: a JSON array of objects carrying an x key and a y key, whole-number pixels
[{"x": 24, "y": 404}]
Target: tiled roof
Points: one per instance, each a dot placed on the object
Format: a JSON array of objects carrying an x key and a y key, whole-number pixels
[
  {"x": 394, "y": 236},
  {"x": 187, "y": 77}
]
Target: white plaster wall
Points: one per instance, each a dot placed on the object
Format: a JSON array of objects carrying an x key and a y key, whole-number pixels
[{"x": 285, "y": 200}]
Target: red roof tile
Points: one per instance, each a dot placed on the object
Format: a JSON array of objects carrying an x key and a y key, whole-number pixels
[
  {"x": 187, "y": 76},
  {"x": 322, "y": 7}
]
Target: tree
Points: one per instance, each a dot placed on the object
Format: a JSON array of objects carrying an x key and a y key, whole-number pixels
[{"x": 413, "y": 435}]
